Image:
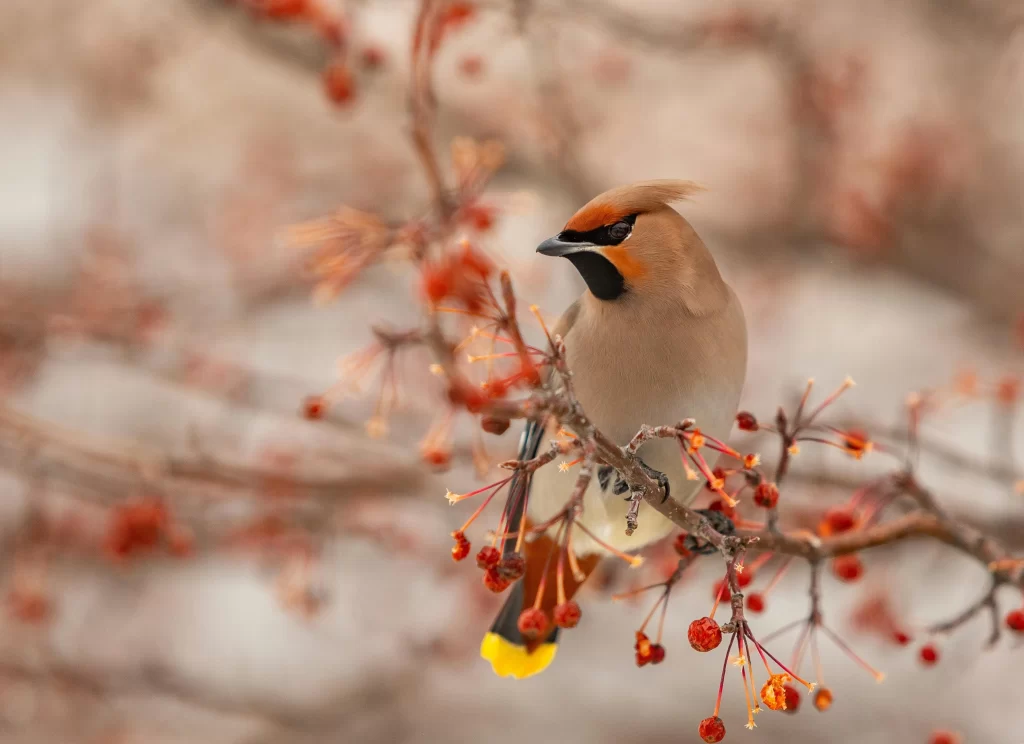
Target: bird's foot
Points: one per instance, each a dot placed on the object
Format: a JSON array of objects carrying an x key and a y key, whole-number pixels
[
  {"x": 719, "y": 522},
  {"x": 622, "y": 487}
]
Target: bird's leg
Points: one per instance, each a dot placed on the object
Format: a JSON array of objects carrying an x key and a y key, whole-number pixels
[
  {"x": 719, "y": 521},
  {"x": 622, "y": 487},
  {"x": 635, "y": 497}
]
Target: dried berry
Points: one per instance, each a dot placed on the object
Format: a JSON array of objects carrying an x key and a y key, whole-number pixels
[
  {"x": 766, "y": 495},
  {"x": 711, "y": 730},
  {"x": 532, "y": 622},
  {"x": 773, "y": 693},
  {"x": 511, "y": 566},
  {"x": 847, "y": 568},
  {"x": 755, "y": 602},
  {"x": 567, "y": 614},
  {"x": 929, "y": 655},
  {"x": 643, "y": 648},
  {"x": 704, "y": 634},
  {"x": 461, "y": 547},
  {"x": 488, "y": 557},
  {"x": 494, "y": 581}
]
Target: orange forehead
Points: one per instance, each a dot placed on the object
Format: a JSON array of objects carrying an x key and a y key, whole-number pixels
[
  {"x": 626, "y": 261},
  {"x": 594, "y": 216}
]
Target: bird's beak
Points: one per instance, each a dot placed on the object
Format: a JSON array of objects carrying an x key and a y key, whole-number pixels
[{"x": 556, "y": 247}]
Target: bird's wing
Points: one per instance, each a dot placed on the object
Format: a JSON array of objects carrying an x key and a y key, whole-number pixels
[{"x": 529, "y": 444}]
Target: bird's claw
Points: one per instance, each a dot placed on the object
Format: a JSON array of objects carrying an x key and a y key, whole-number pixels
[{"x": 622, "y": 487}]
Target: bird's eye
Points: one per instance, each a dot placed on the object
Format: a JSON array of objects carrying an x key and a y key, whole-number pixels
[{"x": 619, "y": 231}]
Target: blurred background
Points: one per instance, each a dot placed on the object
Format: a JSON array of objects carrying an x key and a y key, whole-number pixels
[{"x": 864, "y": 164}]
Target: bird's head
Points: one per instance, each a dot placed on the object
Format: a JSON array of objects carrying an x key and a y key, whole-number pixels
[{"x": 630, "y": 242}]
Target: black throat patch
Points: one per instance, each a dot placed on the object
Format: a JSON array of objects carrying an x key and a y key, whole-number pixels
[{"x": 600, "y": 274}]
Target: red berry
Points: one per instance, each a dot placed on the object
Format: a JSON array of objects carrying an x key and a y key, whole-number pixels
[
  {"x": 792, "y": 698},
  {"x": 494, "y": 581},
  {"x": 721, "y": 589},
  {"x": 680, "y": 546},
  {"x": 314, "y": 407},
  {"x": 437, "y": 458},
  {"x": 766, "y": 495},
  {"x": 720, "y": 506},
  {"x": 901, "y": 638},
  {"x": 745, "y": 578},
  {"x": 929, "y": 655},
  {"x": 704, "y": 634},
  {"x": 532, "y": 622},
  {"x": 755, "y": 602},
  {"x": 281, "y": 9},
  {"x": 567, "y": 614},
  {"x": 847, "y": 568},
  {"x": 711, "y": 730},
  {"x": 488, "y": 557},
  {"x": 373, "y": 57},
  {"x": 437, "y": 284},
  {"x": 657, "y": 653},
  {"x": 511, "y": 567},
  {"x": 836, "y": 521},
  {"x": 494, "y": 425},
  {"x": 944, "y": 737},
  {"x": 746, "y": 421},
  {"x": 461, "y": 547},
  {"x": 1015, "y": 621},
  {"x": 339, "y": 85}
]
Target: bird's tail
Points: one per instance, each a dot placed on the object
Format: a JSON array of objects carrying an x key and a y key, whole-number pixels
[{"x": 510, "y": 654}]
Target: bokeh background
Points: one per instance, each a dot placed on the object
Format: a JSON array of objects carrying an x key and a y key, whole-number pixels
[{"x": 864, "y": 164}]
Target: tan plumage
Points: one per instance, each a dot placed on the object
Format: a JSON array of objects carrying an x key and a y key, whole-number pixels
[
  {"x": 657, "y": 337},
  {"x": 673, "y": 346}
]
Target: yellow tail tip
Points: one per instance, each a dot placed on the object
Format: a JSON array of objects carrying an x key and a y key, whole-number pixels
[{"x": 512, "y": 660}]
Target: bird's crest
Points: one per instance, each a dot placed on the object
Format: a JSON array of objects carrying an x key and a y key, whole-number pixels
[{"x": 635, "y": 198}]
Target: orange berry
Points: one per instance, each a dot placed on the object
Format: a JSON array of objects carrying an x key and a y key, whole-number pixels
[
  {"x": 461, "y": 547},
  {"x": 823, "y": 699}
]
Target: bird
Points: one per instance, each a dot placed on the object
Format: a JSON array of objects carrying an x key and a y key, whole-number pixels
[{"x": 656, "y": 337}]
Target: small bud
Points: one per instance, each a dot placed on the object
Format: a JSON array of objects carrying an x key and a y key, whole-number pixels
[
  {"x": 746, "y": 421},
  {"x": 532, "y": 622},
  {"x": 1015, "y": 621},
  {"x": 847, "y": 568},
  {"x": 567, "y": 614},
  {"x": 704, "y": 635},
  {"x": 929, "y": 655},
  {"x": 494, "y": 425},
  {"x": 823, "y": 699},
  {"x": 488, "y": 557},
  {"x": 755, "y": 603},
  {"x": 766, "y": 495},
  {"x": 792, "y": 698},
  {"x": 711, "y": 730},
  {"x": 511, "y": 566}
]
